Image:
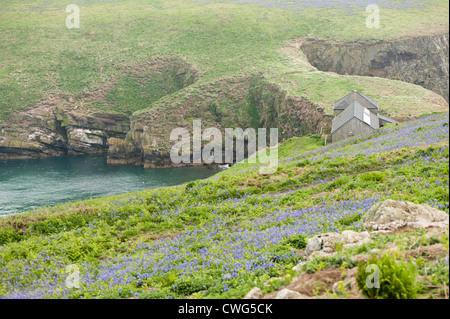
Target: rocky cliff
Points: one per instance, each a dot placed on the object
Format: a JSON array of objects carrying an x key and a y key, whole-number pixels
[
  {"x": 41, "y": 132},
  {"x": 240, "y": 100},
  {"x": 57, "y": 125},
  {"x": 236, "y": 101},
  {"x": 418, "y": 60}
]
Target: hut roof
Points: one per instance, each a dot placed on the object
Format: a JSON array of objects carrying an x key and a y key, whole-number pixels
[
  {"x": 339, "y": 105},
  {"x": 355, "y": 110},
  {"x": 387, "y": 119}
]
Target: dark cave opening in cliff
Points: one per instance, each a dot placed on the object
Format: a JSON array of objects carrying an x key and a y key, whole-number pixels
[{"x": 62, "y": 131}]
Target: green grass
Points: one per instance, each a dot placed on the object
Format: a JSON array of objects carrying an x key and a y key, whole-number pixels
[
  {"x": 395, "y": 98},
  {"x": 42, "y": 58},
  {"x": 106, "y": 66},
  {"x": 290, "y": 147},
  {"x": 92, "y": 233}
]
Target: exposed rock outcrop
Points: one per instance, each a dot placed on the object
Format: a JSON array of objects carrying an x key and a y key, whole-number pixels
[
  {"x": 62, "y": 124},
  {"x": 325, "y": 244},
  {"x": 237, "y": 101},
  {"x": 42, "y": 132},
  {"x": 90, "y": 134},
  {"x": 288, "y": 294},
  {"x": 383, "y": 216},
  {"x": 419, "y": 60},
  {"x": 392, "y": 214},
  {"x": 255, "y": 293}
]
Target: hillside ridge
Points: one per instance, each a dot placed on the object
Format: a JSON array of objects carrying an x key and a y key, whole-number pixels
[{"x": 57, "y": 126}]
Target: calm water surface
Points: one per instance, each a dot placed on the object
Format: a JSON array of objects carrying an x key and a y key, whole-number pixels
[{"x": 29, "y": 184}]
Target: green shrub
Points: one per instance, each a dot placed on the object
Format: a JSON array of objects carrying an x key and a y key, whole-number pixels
[
  {"x": 314, "y": 265},
  {"x": 372, "y": 177},
  {"x": 283, "y": 254},
  {"x": 48, "y": 227},
  {"x": 341, "y": 181},
  {"x": 269, "y": 188},
  {"x": 397, "y": 279},
  {"x": 436, "y": 272},
  {"x": 339, "y": 259},
  {"x": 125, "y": 292},
  {"x": 340, "y": 161},
  {"x": 9, "y": 234},
  {"x": 425, "y": 152},
  {"x": 347, "y": 220},
  {"x": 187, "y": 285},
  {"x": 191, "y": 185},
  {"x": 155, "y": 294},
  {"x": 298, "y": 241},
  {"x": 128, "y": 234},
  {"x": 302, "y": 163}
]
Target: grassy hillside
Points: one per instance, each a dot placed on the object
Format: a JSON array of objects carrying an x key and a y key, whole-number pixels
[
  {"x": 103, "y": 66},
  {"x": 230, "y": 62},
  {"x": 220, "y": 237}
]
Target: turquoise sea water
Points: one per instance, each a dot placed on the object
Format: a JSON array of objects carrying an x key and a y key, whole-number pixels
[{"x": 29, "y": 184}]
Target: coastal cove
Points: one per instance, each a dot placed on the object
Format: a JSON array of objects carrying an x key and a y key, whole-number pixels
[{"x": 30, "y": 184}]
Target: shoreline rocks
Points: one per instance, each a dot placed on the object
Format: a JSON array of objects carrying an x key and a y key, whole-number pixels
[{"x": 45, "y": 133}]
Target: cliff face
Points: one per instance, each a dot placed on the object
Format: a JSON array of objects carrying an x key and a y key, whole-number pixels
[
  {"x": 255, "y": 102},
  {"x": 243, "y": 101},
  {"x": 41, "y": 132},
  {"x": 419, "y": 60},
  {"x": 232, "y": 102},
  {"x": 55, "y": 126}
]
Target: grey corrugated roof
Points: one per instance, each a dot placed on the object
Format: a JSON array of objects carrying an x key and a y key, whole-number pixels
[
  {"x": 354, "y": 110},
  {"x": 339, "y": 106},
  {"x": 387, "y": 119}
]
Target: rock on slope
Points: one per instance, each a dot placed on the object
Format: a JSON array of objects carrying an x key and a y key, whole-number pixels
[{"x": 389, "y": 215}]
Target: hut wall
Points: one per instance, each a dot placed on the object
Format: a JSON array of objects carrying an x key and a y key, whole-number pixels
[{"x": 355, "y": 126}]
